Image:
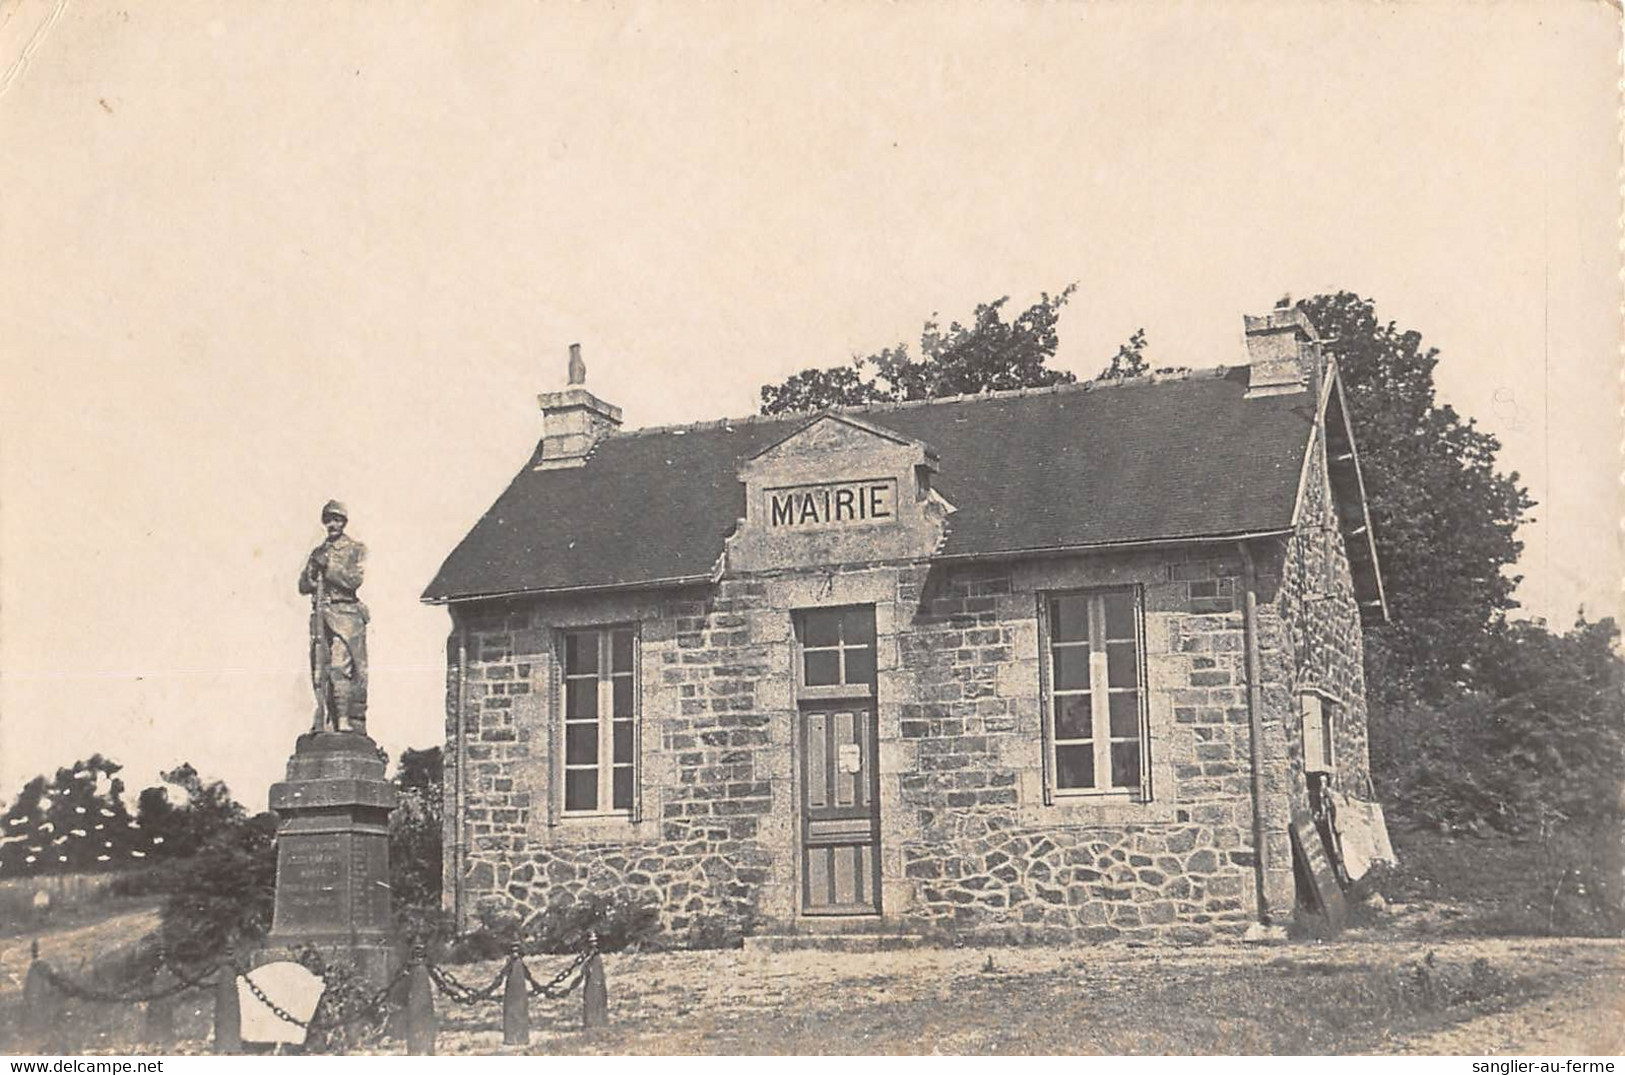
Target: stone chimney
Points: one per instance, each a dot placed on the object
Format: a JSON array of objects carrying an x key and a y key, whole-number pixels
[
  {"x": 1283, "y": 351},
  {"x": 574, "y": 420}
]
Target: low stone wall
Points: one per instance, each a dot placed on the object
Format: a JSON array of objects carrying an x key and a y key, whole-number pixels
[
  {"x": 1066, "y": 884},
  {"x": 702, "y": 885}
]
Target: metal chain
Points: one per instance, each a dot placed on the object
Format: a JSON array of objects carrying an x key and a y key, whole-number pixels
[
  {"x": 551, "y": 989},
  {"x": 107, "y": 996},
  {"x": 464, "y": 994},
  {"x": 276, "y": 1009}
]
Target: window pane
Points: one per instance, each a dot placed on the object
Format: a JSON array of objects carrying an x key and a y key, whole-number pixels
[
  {"x": 858, "y": 626},
  {"x": 1326, "y": 736},
  {"x": 1072, "y": 668},
  {"x": 623, "y": 741},
  {"x": 1075, "y": 766},
  {"x": 621, "y": 651},
  {"x": 580, "y": 699},
  {"x": 860, "y": 665},
  {"x": 1122, "y": 667},
  {"x": 1119, "y": 615},
  {"x": 623, "y": 787},
  {"x": 581, "y": 789},
  {"x": 623, "y": 696},
  {"x": 1126, "y": 765},
  {"x": 1069, "y": 619},
  {"x": 1072, "y": 717},
  {"x": 580, "y": 744},
  {"x": 821, "y": 628},
  {"x": 1125, "y": 709},
  {"x": 823, "y": 669},
  {"x": 580, "y": 653}
]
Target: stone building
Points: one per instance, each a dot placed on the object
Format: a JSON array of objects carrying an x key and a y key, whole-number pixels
[{"x": 1057, "y": 663}]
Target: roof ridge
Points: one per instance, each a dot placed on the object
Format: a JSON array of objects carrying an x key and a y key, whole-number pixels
[{"x": 886, "y": 406}]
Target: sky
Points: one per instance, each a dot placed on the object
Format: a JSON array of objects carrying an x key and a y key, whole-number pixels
[{"x": 256, "y": 256}]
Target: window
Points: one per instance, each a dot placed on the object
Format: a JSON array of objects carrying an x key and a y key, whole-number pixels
[
  {"x": 1317, "y": 733},
  {"x": 600, "y": 720},
  {"x": 1095, "y": 704},
  {"x": 838, "y": 649}
]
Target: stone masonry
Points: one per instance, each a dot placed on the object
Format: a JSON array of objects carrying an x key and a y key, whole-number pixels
[{"x": 969, "y": 845}]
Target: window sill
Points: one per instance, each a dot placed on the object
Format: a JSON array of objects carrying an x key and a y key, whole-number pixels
[
  {"x": 1098, "y": 809},
  {"x": 595, "y": 828},
  {"x": 594, "y": 815}
]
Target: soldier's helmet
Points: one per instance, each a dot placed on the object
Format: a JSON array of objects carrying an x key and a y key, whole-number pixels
[{"x": 333, "y": 509}]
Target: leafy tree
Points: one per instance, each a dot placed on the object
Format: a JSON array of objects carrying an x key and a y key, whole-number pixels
[
  {"x": 1445, "y": 518},
  {"x": 207, "y": 809},
  {"x": 1129, "y": 361},
  {"x": 988, "y": 355},
  {"x": 415, "y": 831},
  {"x": 224, "y": 892},
  {"x": 73, "y": 823}
]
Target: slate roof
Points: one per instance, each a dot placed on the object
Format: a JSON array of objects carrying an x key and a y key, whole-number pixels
[{"x": 1072, "y": 467}]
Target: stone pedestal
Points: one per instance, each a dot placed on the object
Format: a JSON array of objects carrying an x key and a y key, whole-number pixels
[{"x": 332, "y": 870}]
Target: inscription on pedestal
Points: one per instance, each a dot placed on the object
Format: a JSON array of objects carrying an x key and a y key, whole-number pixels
[{"x": 310, "y": 880}]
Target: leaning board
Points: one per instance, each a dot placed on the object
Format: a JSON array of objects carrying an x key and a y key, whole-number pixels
[{"x": 1310, "y": 852}]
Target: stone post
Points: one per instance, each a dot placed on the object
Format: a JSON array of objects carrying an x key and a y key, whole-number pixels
[
  {"x": 515, "y": 1002},
  {"x": 37, "y": 996},
  {"x": 594, "y": 991},
  {"x": 228, "y": 1016}
]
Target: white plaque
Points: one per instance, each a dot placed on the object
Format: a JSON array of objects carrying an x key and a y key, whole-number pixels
[{"x": 293, "y": 987}]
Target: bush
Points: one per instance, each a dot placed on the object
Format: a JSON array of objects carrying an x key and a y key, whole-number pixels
[
  {"x": 618, "y": 921},
  {"x": 224, "y": 892},
  {"x": 1536, "y": 750}
]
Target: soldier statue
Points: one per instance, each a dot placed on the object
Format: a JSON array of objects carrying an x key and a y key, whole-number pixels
[{"x": 338, "y": 626}]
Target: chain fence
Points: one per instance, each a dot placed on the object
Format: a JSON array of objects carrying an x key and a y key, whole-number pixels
[{"x": 421, "y": 976}]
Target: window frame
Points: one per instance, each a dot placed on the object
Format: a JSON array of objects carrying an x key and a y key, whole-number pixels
[
  {"x": 1100, "y": 696},
  {"x": 604, "y": 764},
  {"x": 1325, "y": 731},
  {"x": 843, "y": 689}
]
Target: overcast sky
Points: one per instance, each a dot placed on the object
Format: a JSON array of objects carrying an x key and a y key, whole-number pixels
[{"x": 254, "y": 256}]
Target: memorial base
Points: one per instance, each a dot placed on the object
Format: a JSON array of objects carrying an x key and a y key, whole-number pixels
[{"x": 332, "y": 871}]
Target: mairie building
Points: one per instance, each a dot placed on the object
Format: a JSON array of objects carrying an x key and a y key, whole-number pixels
[{"x": 1057, "y": 664}]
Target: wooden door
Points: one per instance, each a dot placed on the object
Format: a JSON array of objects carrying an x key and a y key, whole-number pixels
[{"x": 840, "y": 809}]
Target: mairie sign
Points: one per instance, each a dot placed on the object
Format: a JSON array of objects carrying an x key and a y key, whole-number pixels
[{"x": 872, "y": 500}]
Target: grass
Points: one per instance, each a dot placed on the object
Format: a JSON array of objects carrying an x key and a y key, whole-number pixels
[{"x": 1563, "y": 885}]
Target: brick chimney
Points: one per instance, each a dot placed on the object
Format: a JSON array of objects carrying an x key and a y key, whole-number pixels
[
  {"x": 1283, "y": 351},
  {"x": 574, "y": 420}
]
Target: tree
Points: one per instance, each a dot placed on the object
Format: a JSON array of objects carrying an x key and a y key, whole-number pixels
[
  {"x": 207, "y": 808},
  {"x": 224, "y": 892},
  {"x": 1129, "y": 361},
  {"x": 415, "y": 831},
  {"x": 1445, "y": 518},
  {"x": 988, "y": 355},
  {"x": 75, "y": 822}
]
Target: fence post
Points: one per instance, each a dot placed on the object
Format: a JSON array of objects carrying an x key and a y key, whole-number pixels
[
  {"x": 594, "y": 992},
  {"x": 228, "y": 1014},
  {"x": 37, "y": 1015},
  {"x": 420, "y": 1019},
  {"x": 515, "y": 1002},
  {"x": 158, "y": 1015}
]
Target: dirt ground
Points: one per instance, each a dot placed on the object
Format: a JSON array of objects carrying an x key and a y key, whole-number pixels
[
  {"x": 1526, "y": 996},
  {"x": 1368, "y": 993}
]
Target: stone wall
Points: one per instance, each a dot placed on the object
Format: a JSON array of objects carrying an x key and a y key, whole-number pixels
[
  {"x": 972, "y": 841},
  {"x": 1310, "y": 638},
  {"x": 986, "y": 853}
]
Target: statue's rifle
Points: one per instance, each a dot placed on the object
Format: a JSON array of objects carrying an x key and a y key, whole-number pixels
[{"x": 318, "y": 641}]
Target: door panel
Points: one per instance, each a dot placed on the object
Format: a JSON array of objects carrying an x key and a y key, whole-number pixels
[{"x": 840, "y": 817}]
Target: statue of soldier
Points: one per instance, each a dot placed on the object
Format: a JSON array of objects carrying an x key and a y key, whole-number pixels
[{"x": 338, "y": 626}]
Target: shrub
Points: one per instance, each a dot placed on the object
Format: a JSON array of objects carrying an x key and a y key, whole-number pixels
[
  {"x": 620, "y": 922},
  {"x": 224, "y": 892}
]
